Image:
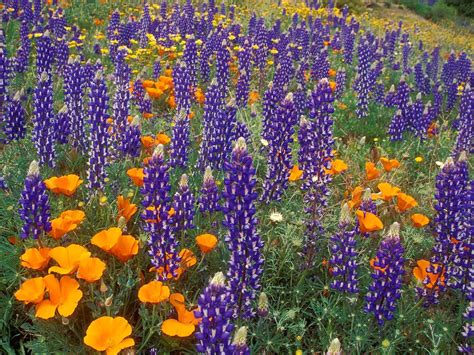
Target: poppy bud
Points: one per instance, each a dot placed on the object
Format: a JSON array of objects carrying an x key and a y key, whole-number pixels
[{"x": 108, "y": 301}]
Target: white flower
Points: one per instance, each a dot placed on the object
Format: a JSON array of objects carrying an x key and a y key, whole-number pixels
[{"x": 276, "y": 217}]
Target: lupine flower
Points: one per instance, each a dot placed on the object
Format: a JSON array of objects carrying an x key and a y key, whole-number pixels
[
  {"x": 162, "y": 243},
  {"x": 279, "y": 150},
  {"x": 34, "y": 205},
  {"x": 343, "y": 255},
  {"x": 214, "y": 334},
  {"x": 180, "y": 142},
  {"x": 98, "y": 136},
  {"x": 209, "y": 197},
  {"x": 246, "y": 260},
  {"x": 74, "y": 99},
  {"x": 465, "y": 138},
  {"x": 388, "y": 271},
  {"x": 131, "y": 145},
  {"x": 239, "y": 344},
  {"x": 15, "y": 118},
  {"x": 43, "y": 134},
  {"x": 183, "y": 204}
]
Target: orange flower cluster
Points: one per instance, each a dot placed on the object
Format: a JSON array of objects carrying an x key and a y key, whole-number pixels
[
  {"x": 156, "y": 89},
  {"x": 112, "y": 241},
  {"x": 66, "y": 222},
  {"x": 186, "y": 323}
]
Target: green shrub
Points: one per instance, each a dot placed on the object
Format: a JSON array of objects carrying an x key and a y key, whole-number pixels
[
  {"x": 440, "y": 10},
  {"x": 465, "y": 7}
]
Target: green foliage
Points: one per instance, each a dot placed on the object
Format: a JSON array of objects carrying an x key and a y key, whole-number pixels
[
  {"x": 465, "y": 7},
  {"x": 439, "y": 11}
]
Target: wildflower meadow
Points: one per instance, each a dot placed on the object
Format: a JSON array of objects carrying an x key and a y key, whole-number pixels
[{"x": 234, "y": 177}]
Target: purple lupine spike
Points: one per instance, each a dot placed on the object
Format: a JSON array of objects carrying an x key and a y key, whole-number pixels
[
  {"x": 321, "y": 66},
  {"x": 34, "y": 205},
  {"x": 156, "y": 69},
  {"x": 43, "y": 134},
  {"x": 279, "y": 156},
  {"x": 416, "y": 115},
  {"x": 131, "y": 146},
  {"x": 182, "y": 87},
  {"x": 23, "y": 54},
  {"x": 74, "y": 100},
  {"x": 183, "y": 204},
  {"x": 343, "y": 255},
  {"x": 462, "y": 254},
  {"x": 214, "y": 128},
  {"x": 391, "y": 97},
  {"x": 307, "y": 144},
  {"x": 245, "y": 245},
  {"x": 340, "y": 83},
  {"x": 425, "y": 122},
  {"x": 190, "y": 57},
  {"x": 180, "y": 142},
  {"x": 141, "y": 98},
  {"x": 61, "y": 53},
  {"x": 379, "y": 92},
  {"x": 162, "y": 243},
  {"x": 270, "y": 103},
  {"x": 243, "y": 88},
  {"x": 4, "y": 75},
  {"x": 3, "y": 183},
  {"x": 362, "y": 82},
  {"x": 209, "y": 199},
  {"x": 466, "y": 261},
  {"x": 15, "y": 118},
  {"x": 322, "y": 125},
  {"x": 406, "y": 51},
  {"x": 452, "y": 95},
  {"x": 451, "y": 188},
  {"x": 239, "y": 344},
  {"x": 145, "y": 23},
  {"x": 465, "y": 138},
  {"x": 420, "y": 78},
  {"x": 215, "y": 328},
  {"x": 98, "y": 135},
  {"x": 449, "y": 70},
  {"x": 397, "y": 126},
  {"x": 63, "y": 127},
  {"x": 222, "y": 66},
  {"x": 45, "y": 54},
  {"x": 388, "y": 271},
  {"x": 349, "y": 46},
  {"x": 121, "y": 105}
]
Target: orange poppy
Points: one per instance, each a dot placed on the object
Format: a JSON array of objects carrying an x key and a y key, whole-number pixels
[
  {"x": 162, "y": 138},
  {"x": 368, "y": 222},
  {"x": 356, "y": 197},
  {"x": 295, "y": 173},
  {"x": 154, "y": 93},
  {"x": 31, "y": 291},
  {"x": 137, "y": 175},
  {"x": 171, "y": 101},
  {"x": 66, "y": 185},
  {"x": 387, "y": 191},
  {"x": 405, "y": 202},
  {"x": 147, "y": 115},
  {"x": 186, "y": 323},
  {"x": 90, "y": 269},
  {"x": 60, "y": 227},
  {"x": 389, "y": 164},
  {"x": 125, "y": 248},
  {"x": 107, "y": 238},
  {"x": 76, "y": 216},
  {"x": 332, "y": 73},
  {"x": 153, "y": 292},
  {"x": 199, "y": 95},
  {"x": 337, "y": 167},
  {"x": 421, "y": 274},
  {"x": 64, "y": 295},
  {"x": 371, "y": 171},
  {"x": 125, "y": 208},
  {"x": 206, "y": 242},
  {"x": 188, "y": 260},
  {"x": 35, "y": 258},
  {"x": 68, "y": 258},
  {"x": 148, "y": 83},
  {"x": 332, "y": 85},
  {"x": 253, "y": 97},
  {"x": 109, "y": 334},
  {"x": 148, "y": 141},
  {"x": 419, "y": 220},
  {"x": 375, "y": 267}
]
